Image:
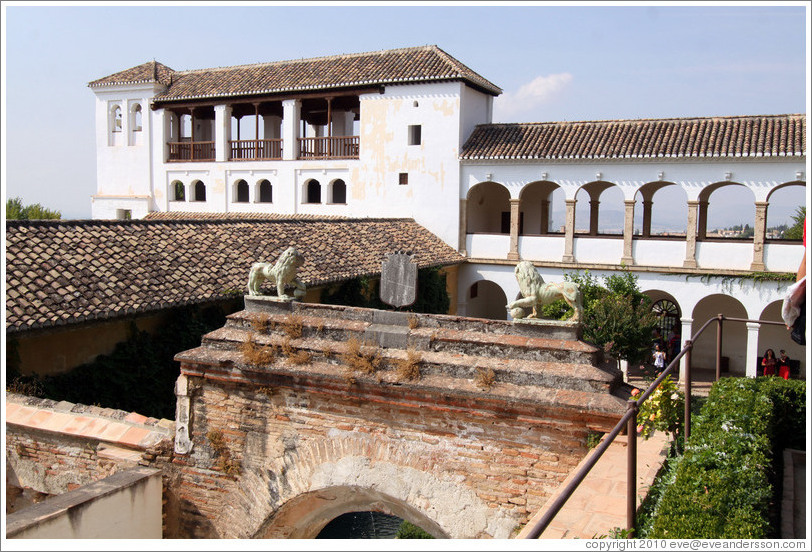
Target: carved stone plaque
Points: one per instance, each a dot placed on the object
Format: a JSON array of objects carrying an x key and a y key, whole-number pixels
[{"x": 398, "y": 280}]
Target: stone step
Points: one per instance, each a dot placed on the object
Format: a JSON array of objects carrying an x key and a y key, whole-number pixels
[
  {"x": 549, "y": 329},
  {"x": 454, "y": 364},
  {"x": 387, "y": 329},
  {"x": 535, "y": 400}
]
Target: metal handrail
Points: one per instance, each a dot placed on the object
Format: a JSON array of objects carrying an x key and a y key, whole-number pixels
[{"x": 629, "y": 420}]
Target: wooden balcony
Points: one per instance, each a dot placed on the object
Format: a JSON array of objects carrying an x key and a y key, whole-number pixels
[
  {"x": 253, "y": 150},
  {"x": 332, "y": 147},
  {"x": 191, "y": 151}
]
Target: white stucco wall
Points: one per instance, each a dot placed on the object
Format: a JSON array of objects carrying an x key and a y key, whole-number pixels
[{"x": 122, "y": 158}]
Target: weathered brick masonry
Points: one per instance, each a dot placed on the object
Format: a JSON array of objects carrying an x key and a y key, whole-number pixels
[{"x": 281, "y": 448}]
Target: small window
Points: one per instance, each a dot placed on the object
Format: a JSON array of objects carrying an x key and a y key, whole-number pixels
[
  {"x": 178, "y": 191},
  {"x": 124, "y": 214},
  {"x": 117, "y": 119},
  {"x": 339, "y": 192},
  {"x": 414, "y": 135},
  {"x": 242, "y": 192},
  {"x": 137, "y": 118},
  {"x": 403, "y": 179},
  {"x": 313, "y": 194},
  {"x": 265, "y": 192},
  {"x": 200, "y": 191}
]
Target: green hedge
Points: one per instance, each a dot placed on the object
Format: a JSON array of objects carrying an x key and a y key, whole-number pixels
[{"x": 724, "y": 485}]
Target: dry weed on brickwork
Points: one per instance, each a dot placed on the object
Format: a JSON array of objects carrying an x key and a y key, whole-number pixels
[
  {"x": 414, "y": 322},
  {"x": 292, "y": 326},
  {"x": 260, "y": 323},
  {"x": 485, "y": 378},
  {"x": 360, "y": 357},
  {"x": 226, "y": 463},
  {"x": 408, "y": 368},
  {"x": 257, "y": 355},
  {"x": 295, "y": 356}
]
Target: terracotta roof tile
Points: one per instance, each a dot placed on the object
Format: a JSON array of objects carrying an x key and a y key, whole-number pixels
[
  {"x": 399, "y": 66},
  {"x": 746, "y": 136},
  {"x": 64, "y": 272},
  {"x": 151, "y": 71}
]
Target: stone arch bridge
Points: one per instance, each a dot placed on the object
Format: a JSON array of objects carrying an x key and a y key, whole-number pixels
[{"x": 293, "y": 414}]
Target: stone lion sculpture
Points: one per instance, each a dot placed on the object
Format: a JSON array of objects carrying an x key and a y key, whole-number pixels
[
  {"x": 536, "y": 293},
  {"x": 281, "y": 273}
]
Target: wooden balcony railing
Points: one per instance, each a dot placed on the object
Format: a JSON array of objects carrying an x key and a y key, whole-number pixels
[
  {"x": 333, "y": 147},
  {"x": 256, "y": 149},
  {"x": 191, "y": 151}
]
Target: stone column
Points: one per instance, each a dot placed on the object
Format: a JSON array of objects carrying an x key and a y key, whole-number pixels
[
  {"x": 685, "y": 335},
  {"x": 628, "y": 231},
  {"x": 222, "y": 132},
  {"x": 593, "y": 216},
  {"x": 569, "y": 231},
  {"x": 759, "y": 235},
  {"x": 292, "y": 111},
  {"x": 647, "y": 203},
  {"x": 690, "y": 238},
  {"x": 750, "y": 366},
  {"x": 702, "y": 230},
  {"x": 183, "y": 416},
  {"x": 545, "y": 216},
  {"x": 513, "y": 254},
  {"x": 463, "y": 245}
]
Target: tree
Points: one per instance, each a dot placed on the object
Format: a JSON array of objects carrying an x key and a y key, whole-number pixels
[
  {"x": 15, "y": 210},
  {"x": 617, "y": 316},
  {"x": 796, "y": 231}
]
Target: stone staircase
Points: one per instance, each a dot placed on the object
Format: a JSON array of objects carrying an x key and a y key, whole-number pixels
[{"x": 541, "y": 365}]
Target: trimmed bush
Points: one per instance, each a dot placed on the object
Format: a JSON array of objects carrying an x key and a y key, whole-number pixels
[{"x": 724, "y": 486}]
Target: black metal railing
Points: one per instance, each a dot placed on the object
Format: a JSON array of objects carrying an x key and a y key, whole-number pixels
[{"x": 629, "y": 422}]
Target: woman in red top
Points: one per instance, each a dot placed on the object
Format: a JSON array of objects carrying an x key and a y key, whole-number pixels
[
  {"x": 769, "y": 362},
  {"x": 783, "y": 365}
]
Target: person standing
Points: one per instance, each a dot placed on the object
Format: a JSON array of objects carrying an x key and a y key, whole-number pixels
[
  {"x": 659, "y": 359},
  {"x": 769, "y": 362},
  {"x": 783, "y": 364}
]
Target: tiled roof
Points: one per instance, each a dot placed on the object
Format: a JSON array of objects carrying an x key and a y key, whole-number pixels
[
  {"x": 746, "y": 136},
  {"x": 64, "y": 272},
  {"x": 400, "y": 66},
  {"x": 152, "y": 71}
]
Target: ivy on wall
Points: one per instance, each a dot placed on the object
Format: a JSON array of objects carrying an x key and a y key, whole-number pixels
[{"x": 138, "y": 376}]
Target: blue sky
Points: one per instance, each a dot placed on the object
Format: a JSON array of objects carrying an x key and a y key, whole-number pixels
[{"x": 565, "y": 62}]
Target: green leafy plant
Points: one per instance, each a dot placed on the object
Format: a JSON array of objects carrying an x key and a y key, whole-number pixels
[
  {"x": 664, "y": 410},
  {"x": 410, "y": 531},
  {"x": 725, "y": 483}
]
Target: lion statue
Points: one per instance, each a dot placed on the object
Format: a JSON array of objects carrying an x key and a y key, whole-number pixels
[
  {"x": 536, "y": 293},
  {"x": 281, "y": 273}
]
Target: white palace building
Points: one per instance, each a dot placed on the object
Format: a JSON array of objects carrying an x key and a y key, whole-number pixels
[{"x": 407, "y": 133}]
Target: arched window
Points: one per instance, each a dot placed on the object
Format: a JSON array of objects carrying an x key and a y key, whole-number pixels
[
  {"x": 265, "y": 192},
  {"x": 178, "y": 191},
  {"x": 116, "y": 118},
  {"x": 339, "y": 192},
  {"x": 669, "y": 315},
  {"x": 137, "y": 118},
  {"x": 313, "y": 194},
  {"x": 200, "y": 191},
  {"x": 241, "y": 195}
]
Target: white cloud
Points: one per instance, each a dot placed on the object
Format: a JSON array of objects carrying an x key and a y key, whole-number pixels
[{"x": 540, "y": 90}]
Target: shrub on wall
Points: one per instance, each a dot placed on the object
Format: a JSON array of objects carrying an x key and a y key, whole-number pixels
[
  {"x": 432, "y": 295},
  {"x": 727, "y": 481},
  {"x": 139, "y": 375}
]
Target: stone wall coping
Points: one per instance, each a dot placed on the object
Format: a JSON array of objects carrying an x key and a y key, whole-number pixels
[
  {"x": 74, "y": 500},
  {"x": 125, "y": 429}
]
